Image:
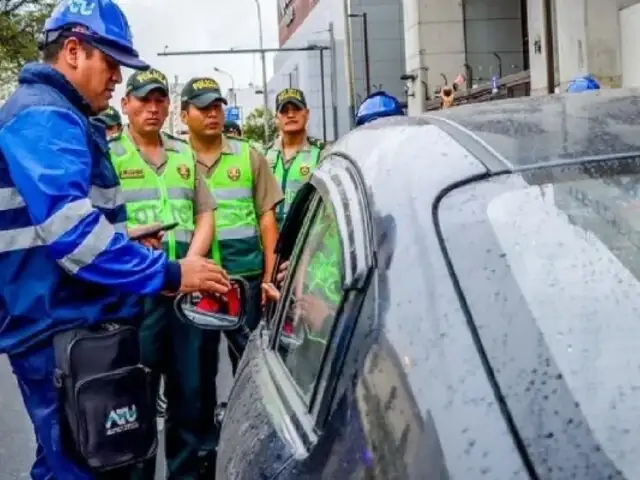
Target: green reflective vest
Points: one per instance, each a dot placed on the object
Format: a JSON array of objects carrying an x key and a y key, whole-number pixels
[
  {"x": 165, "y": 198},
  {"x": 291, "y": 178},
  {"x": 237, "y": 244}
]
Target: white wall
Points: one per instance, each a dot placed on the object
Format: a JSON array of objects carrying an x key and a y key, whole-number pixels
[
  {"x": 386, "y": 55},
  {"x": 630, "y": 44}
]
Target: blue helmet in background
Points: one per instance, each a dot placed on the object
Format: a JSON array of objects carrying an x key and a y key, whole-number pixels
[
  {"x": 100, "y": 23},
  {"x": 583, "y": 84},
  {"x": 378, "y": 105}
]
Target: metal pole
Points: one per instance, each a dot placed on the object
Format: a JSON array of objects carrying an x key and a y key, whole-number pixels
[
  {"x": 263, "y": 57},
  {"x": 367, "y": 65},
  {"x": 348, "y": 63},
  {"x": 334, "y": 80},
  {"x": 322, "y": 98},
  {"x": 233, "y": 84}
]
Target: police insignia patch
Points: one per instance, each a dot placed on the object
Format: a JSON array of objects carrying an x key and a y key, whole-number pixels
[
  {"x": 233, "y": 173},
  {"x": 184, "y": 171},
  {"x": 131, "y": 173},
  {"x": 304, "y": 170}
]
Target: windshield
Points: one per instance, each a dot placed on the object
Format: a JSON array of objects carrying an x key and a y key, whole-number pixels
[{"x": 549, "y": 268}]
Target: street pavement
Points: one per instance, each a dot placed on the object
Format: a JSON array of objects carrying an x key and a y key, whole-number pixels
[{"x": 17, "y": 444}]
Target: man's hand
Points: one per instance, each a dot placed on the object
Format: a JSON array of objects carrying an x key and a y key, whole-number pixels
[
  {"x": 202, "y": 275},
  {"x": 271, "y": 292},
  {"x": 314, "y": 311},
  {"x": 152, "y": 241}
]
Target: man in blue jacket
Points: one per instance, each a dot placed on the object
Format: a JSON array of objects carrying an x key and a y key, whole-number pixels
[{"x": 65, "y": 260}]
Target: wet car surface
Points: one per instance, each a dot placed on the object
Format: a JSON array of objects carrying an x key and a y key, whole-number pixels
[{"x": 486, "y": 326}]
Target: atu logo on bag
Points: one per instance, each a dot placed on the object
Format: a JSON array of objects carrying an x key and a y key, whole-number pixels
[{"x": 122, "y": 420}]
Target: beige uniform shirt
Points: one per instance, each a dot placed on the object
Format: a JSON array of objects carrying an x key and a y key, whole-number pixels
[
  {"x": 266, "y": 189},
  {"x": 203, "y": 200},
  {"x": 305, "y": 147}
]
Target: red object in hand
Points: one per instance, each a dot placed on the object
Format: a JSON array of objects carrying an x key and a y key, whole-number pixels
[
  {"x": 229, "y": 306},
  {"x": 287, "y": 328}
]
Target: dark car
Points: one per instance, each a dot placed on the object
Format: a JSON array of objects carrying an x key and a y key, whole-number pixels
[{"x": 487, "y": 320}]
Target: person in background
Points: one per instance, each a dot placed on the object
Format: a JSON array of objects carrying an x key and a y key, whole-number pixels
[
  {"x": 232, "y": 129},
  {"x": 160, "y": 184},
  {"x": 294, "y": 155},
  {"x": 111, "y": 120},
  {"x": 378, "y": 105},
  {"x": 583, "y": 83},
  {"x": 65, "y": 259},
  {"x": 246, "y": 191}
]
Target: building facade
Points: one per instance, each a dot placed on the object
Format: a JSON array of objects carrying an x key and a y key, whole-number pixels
[{"x": 307, "y": 22}]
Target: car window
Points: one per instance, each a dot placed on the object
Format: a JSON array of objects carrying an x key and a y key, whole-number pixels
[
  {"x": 312, "y": 300},
  {"x": 550, "y": 271}
]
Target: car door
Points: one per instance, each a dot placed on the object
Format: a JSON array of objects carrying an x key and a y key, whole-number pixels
[{"x": 285, "y": 379}]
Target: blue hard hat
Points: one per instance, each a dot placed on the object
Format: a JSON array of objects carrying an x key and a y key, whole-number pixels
[
  {"x": 378, "y": 105},
  {"x": 100, "y": 23},
  {"x": 583, "y": 84}
]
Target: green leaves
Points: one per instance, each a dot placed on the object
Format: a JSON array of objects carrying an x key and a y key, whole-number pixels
[
  {"x": 253, "y": 128},
  {"x": 20, "y": 25}
]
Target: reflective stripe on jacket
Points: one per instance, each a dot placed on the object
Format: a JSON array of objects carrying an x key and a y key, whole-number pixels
[
  {"x": 291, "y": 178},
  {"x": 164, "y": 198},
  {"x": 237, "y": 243},
  {"x": 64, "y": 260}
]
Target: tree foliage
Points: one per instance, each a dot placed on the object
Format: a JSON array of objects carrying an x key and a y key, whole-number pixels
[
  {"x": 20, "y": 25},
  {"x": 253, "y": 128}
]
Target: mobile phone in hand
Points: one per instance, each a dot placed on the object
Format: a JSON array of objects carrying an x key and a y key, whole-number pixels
[{"x": 154, "y": 231}]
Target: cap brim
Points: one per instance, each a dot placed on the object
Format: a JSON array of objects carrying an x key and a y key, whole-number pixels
[
  {"x": 123, "y": 58},
  {"x": 293, "y": 101},
  {"x": 206, "y": 99},
  {"x": 147, "y": 89}
]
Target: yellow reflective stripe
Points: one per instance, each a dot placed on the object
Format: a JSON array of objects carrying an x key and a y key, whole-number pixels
[
  {"x": 231, "y": 193},
  {"x": 140, "y": 195},
  {"x": 10, "y": 199},
  {"x": 236, "y": 233},
  {"x": 93, "y": 245}
]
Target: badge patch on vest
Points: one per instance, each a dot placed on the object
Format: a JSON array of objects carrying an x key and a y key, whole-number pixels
[
  {"x": 233, "y": 173},
  {"x": 131, "y": 173},
  {"x": 304, "y": 170},
  {"x": 184, "y": 171}
]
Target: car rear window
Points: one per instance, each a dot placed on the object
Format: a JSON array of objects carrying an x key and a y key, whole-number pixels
[{"x": 548, "y": 266}]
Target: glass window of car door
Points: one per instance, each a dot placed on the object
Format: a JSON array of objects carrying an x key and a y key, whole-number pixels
[{"x": 314, "y": 296}]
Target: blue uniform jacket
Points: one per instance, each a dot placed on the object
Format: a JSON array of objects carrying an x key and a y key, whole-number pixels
[{"x": 65, "y": 261}]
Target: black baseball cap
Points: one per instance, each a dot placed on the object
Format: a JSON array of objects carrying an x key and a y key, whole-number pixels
[
  {"x": 141, "y": 83},
  {"x": 290, "y": 95},
  {"x": 230, "y": 126},
  {"x": 202, "y": 92},
  {"x": 109, "y": 117}
]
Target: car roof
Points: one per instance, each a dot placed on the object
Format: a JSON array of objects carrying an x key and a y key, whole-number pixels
[
  {"x": 539, "y": 130},
  {"x": 534, "y": 131}
]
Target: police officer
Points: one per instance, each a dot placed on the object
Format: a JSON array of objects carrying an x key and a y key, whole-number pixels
[
  {"x": 161, "y": 185},
  {"x": 65, "y": 260},
  {"x": 294, "y": 155},
  {"x": 111, "y": 120},
  {"x": 378, "y": 105},
  {"x": 245, "y": 189},
  {"x": 232, "y": 129}
]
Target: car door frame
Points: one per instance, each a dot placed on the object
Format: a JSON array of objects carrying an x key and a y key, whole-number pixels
[{"x": 337, "y": 182}]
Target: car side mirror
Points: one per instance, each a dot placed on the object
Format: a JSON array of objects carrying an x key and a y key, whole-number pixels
[{"x": 215, "y": 312}]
